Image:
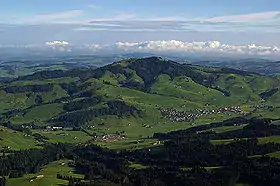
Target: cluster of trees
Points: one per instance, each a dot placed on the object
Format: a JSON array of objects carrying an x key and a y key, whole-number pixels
[
  {"x": 40, "y": 137},
  {"x": 82, "y": 94},
  {"x": 259, "y": 171},
  {"x": 256, "y": 128},
  {"x": 194, "y": 150},
  {"x": 73, "y": 87},
  {"x": 79, "y": 89},
  {"x": 69, "y": 178},
  {"x": 41, "y": 75},
  {"x": 132, "y": 84},
  {"x": 14, "y": 127},
  {"x": 30, "y": 161},
  {"x": 228, "y": 122},
  {"x": 53, "y": 74},
  {"x": 232, "y": 71},
  {"x": 11, "y": 113},
  {"x": 80, "y": 117},
  {"x": 149, "y": 68},
  {"x": 121, "y": 108},
  {"x": 267, "y": 94},
  {"x": 38, "y": 99},
  {"x": 180, "y": 161},
  {"x": 3, "y": 181},
  {"x": 82, "y": 104},
  {"x": 29, "y": 88},
  {"x": 224, "y": 91}
]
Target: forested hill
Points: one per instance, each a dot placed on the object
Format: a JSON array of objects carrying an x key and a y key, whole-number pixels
[{"x": 148, "y": 70}]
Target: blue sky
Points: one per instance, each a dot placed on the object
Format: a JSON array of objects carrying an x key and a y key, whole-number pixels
[
  {"x": 79, "y": 22},
  {"x": 16, "y": 10}
]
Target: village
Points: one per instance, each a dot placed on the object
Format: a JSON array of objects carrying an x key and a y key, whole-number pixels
[{"x": 180, "y": 116}]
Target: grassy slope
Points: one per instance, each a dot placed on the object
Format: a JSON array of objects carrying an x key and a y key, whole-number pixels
[
  {"x": 186, "y": 88},
  {"x": 238, "y": 87},
  {"x": 167, "y": 92},
  {"x": 65, "y": 136},
  {"x": 49, "y": 178},
  {"x": 15, "y": 140},
  {"x": 39, "y": 114}
]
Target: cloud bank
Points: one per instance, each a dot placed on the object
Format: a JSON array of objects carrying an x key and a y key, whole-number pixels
[
  {"x": 262, "y": 16},
  {"x": 62, "y": 46},
  {"x": 174, "y": 47},
  {"x": 52, "y": 17},
  {"x": 157, "y": 47}
]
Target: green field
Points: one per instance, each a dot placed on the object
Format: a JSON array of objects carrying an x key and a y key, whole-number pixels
[
  {"x": 227, "y": 128},
  {"x": 65, "y": 136},
  {"x": 47, "y": 176},
  {"x": 269, "y": 139},
  {"x": 15, "y": 140}
]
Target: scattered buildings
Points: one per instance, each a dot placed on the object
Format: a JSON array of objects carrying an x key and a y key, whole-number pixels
[
  {"x": 112, "y": 137},
  {"x": 180, "y": 116}
]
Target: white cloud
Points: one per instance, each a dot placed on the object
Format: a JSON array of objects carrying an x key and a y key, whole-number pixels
[
  {"x": 177, "y": 47},
  {"x": 118, "y": 17},
  {"x": 19, "y": 46},
  {"x": 264, "y": 22},
  {"x": 57, "y": 43},
  {"x": 94, "y": 46},
  {"x": 94, "y": 6},
  {"x": 54, "y": 17},
  {"x": 61, "y": 46},
  {"x": 197, "y": 47}
]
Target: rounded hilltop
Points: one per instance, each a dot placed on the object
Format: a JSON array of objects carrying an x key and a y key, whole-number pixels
[{"x": 152, "y": 59}]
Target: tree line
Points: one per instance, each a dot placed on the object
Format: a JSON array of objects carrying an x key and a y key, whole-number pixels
[{"x": 29, "y": 88}]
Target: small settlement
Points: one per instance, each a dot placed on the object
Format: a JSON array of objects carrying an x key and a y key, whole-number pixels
[{"x": 180, "y": 116}]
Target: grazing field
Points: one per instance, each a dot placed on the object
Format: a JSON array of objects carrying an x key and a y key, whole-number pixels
[
  {"x": 269, "y": 139},
  {"x": 220, "y": 142},
  {"x": 274, "y": 154},
  {"x": 47, "y": 176},
  {"x": 227, "y": 128},
  {"x": 65, "y": 136},
  {"x": 14, "y": 140},
  {"x": 131, "y": 144},
  {"x": 39, "y": 114},
  {"x": 137, "y": 166}
]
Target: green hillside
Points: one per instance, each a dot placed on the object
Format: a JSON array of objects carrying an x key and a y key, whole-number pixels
[
  {"x": 125, "y": 98},
  {"x": 133, "y": 107}
]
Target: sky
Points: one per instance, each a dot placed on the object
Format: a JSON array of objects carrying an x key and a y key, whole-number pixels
[{"x": 183, "y": 25}]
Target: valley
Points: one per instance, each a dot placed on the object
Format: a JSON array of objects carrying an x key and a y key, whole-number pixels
[{"x": 140, "y": 105}]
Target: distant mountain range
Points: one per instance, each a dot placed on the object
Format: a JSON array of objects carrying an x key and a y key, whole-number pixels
[{"x": 260, "y": 66}]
